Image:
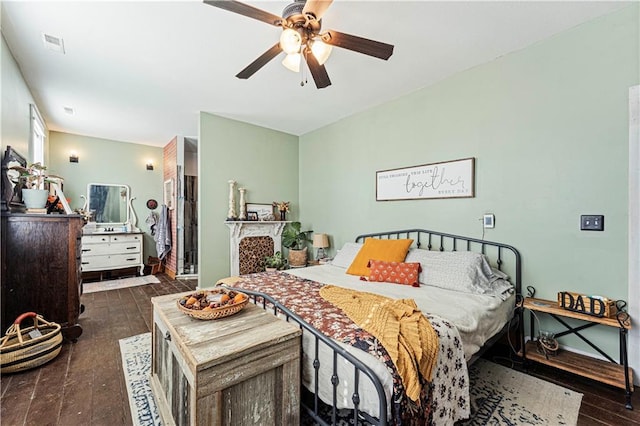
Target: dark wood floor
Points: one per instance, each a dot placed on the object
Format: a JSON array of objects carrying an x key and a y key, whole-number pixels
[{"x": 84, "y": 385}]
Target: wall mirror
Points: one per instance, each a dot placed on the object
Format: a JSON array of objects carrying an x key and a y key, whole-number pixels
[{"x": 108, "y": 203}]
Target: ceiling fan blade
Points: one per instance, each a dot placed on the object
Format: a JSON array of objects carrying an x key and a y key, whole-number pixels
[
  {"x": 246, "y": 10},
  {"x": 316, "y": 7},
  {"x": 358, "y": 44},
  {"x": 261, "y": 61},
  {"x": 319, "y": 72}
]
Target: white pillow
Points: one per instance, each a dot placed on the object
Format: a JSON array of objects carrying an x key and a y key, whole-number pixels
[
  {"x": 345, "y": 256},
  {"x": 463, "y": 271}
]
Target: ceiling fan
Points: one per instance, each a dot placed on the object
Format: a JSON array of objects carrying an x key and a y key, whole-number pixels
[{"x": 302, "y": 39}]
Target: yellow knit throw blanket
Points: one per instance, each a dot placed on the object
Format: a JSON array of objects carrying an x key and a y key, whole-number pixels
[{"x": 403, "y": 330}]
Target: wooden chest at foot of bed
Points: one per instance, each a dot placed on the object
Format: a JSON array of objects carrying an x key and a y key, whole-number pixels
[{"x": 242, "y": 369}]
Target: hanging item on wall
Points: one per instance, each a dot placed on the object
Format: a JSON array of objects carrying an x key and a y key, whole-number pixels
[
  {"x": 168, "y": 193},
  {"x": 152, "y": 204},
  {"x": 448, "y": 179}
]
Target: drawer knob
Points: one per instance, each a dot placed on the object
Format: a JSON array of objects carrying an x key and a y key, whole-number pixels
[{"x": 167, "y": 336}]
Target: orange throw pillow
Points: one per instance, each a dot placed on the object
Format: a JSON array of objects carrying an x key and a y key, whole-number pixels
[
  {"x": 376, "y": 249},
  {"x": 395, "y": 272}
]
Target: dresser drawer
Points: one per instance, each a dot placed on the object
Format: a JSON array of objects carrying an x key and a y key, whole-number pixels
[
  {"x": 116, "y": 238},
  {"x": 111, "y": 248},
  {"x": 94, "y": 239},
  {"x": 114, "y": 261},
  {"x": 122, "y": 238}
]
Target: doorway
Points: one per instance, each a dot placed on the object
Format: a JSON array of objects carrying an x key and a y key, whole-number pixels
[{"x": 187, "y": 215}]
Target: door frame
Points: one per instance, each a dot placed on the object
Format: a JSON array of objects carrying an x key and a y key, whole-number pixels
[{"x": 634, "y": 229}]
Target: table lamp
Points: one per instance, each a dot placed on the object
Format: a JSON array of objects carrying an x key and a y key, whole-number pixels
[{"x": 320, "y": 241}]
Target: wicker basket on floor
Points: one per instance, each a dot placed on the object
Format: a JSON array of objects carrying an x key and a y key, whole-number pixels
[{"x": 22, "y": 349}]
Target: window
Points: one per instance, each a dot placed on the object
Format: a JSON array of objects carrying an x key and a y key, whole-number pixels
[{"x": 38, "y": 136}]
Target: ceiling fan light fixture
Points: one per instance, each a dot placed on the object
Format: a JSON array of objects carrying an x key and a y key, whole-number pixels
[
  {"x": 321, "y": 51},
  {"x": 290, "y": 41},
  {"x": 292, "y": 62}
]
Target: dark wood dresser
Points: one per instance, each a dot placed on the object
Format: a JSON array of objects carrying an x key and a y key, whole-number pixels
[{"x": 41, "y": 269}]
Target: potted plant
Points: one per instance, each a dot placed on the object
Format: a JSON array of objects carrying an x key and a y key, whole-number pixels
[
  {"x": 30, "y": 180},
  {"x": 296, "y": 241},
  {"x": 276, "y": 262}
]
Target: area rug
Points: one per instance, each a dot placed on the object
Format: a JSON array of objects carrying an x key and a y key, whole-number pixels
[
  {"x": 499, "y": 395},
  {"x": 136, "y": 366},
  {"x": 118, "y": 283},
  {"x": 502, "y": 396}
]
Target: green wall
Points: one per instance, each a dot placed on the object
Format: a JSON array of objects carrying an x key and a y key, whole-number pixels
[
  {"x": 263, "y": 161},
  {"x": 548, "y": 126},
  {"x": 16, "y": 98},
  {"x": 109, "y": 161}
]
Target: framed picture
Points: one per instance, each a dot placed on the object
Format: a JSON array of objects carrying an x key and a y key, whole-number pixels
[
  {"x": 168, "y": 193},
  {"x": 264, "y": 211},
  {"x": 252, "y": 216},
  {"x": 448, "y": 179},
  {"x": 63, "y": 200}
]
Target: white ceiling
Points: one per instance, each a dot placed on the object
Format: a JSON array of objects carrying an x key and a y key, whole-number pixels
[{"x": 141, "y": 71}]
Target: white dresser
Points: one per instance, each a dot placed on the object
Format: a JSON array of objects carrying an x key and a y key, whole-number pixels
[{"x": 103, "y": 252}]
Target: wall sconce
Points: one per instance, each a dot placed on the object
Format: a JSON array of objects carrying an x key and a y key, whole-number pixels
[
  {"x": 321, "y": 242},
  {"x": 73, "y": 157},
  {"x": 149, "y": 165}
]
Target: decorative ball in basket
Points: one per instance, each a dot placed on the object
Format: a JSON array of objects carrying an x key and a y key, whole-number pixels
[
  {"x": 213, "y": 304},
  {"x": 22, "y": 349}
]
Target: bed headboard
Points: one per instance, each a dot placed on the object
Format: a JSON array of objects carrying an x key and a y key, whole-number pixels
[{"x": 503, "y": 256}]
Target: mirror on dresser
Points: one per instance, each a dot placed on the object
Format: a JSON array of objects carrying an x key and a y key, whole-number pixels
[
  {"x": 108, "y": 204},
  {"x": 111, "y": 241}
]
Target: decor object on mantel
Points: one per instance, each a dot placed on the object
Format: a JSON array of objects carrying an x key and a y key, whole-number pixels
[
  {"x": 243, "y": 207},
  {"x": 296, "y": 241},
  {"x": 231, "y": 214},
  {"x": 283, "y": 208}
]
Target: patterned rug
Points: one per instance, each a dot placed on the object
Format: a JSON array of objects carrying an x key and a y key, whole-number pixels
[
  {"x": 118, "y": 283},
  {"x": 499, "y": 395},
  {"x": 502, "y": 396},
  {"x": 136, "y": 366}
]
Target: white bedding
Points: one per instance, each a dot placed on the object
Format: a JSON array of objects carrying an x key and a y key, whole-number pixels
[{"x": 476, "y": 316}]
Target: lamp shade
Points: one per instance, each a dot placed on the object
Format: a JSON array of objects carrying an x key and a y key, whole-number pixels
[
  {"x": 290, "y": 41},
  {"x": 321, "y": 51},
  {"x": 320, "y": 240},
  {"x": 292, "y": 62}
]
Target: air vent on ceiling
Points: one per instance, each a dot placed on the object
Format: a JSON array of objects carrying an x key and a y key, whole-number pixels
[
  {"x": 69, "y": 110},
  {"x": 53, "y": 43}
]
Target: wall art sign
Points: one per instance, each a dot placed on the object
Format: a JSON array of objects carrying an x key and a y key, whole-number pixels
[{"x": 449, "y": 179}]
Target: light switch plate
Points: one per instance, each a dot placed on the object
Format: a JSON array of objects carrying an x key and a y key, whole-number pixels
[{"x": 591, "y": 222}]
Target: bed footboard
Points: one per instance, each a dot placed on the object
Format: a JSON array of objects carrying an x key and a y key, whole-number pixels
[{"x": 313, "y": 408}]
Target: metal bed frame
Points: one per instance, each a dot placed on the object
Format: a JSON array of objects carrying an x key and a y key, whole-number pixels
[{"x": 434, "y": 241}]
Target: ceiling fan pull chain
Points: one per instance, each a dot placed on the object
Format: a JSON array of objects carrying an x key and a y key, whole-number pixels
[{"x": 303, "y": 70}]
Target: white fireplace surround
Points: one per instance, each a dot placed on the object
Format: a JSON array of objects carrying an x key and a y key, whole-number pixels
[{"x": 241, "y": 229}]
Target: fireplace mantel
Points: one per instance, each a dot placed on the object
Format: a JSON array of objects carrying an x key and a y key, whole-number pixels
[{"x": 241, "y": 229}]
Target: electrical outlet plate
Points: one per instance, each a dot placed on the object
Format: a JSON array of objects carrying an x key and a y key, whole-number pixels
[
  {"x": 488, "y": 221},
  {"x": 591, "y": 222}
]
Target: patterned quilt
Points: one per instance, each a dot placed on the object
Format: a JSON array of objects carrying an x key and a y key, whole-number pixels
[{"x": 443, "y": 401}]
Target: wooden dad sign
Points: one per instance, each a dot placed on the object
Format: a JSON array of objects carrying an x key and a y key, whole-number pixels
[{"x": 590, "y": 305}]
